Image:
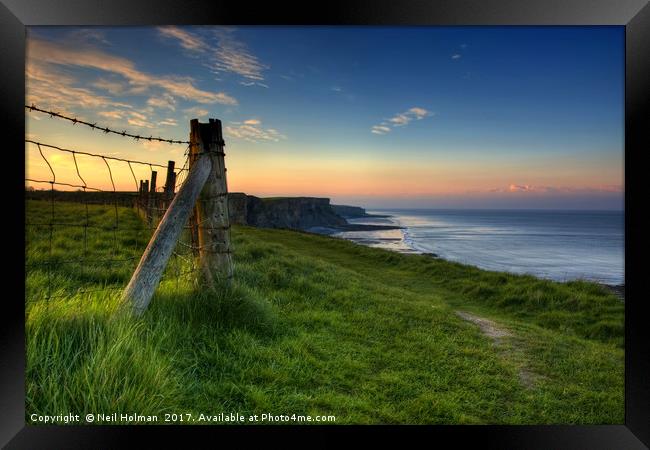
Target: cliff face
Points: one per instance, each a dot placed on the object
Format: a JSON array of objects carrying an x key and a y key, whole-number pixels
[
  {"x": 349, "y": 211},
  {"x": 282, "y": 212}
]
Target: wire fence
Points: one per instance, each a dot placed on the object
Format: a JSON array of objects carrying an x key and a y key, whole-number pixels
[{"x": 82, "y": 238}]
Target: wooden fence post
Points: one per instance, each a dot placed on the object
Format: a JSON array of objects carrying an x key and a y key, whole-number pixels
[
  {"x": 152, "y": 204},
  {"x": 147, "y": 275},
  {"x": 154, "y": 175},
  {"x": 141, "y": 206},
  {"x": 195, "y": 151},
  {"x": 170, "y": 182},
  {"x": 211, "y": 212}
]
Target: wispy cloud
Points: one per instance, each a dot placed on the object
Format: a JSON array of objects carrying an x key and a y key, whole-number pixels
[
  {"x": 111, "y": 86},
  {"x": 538, "y": 189},
  {"x": 459, "y": 54},
  {"x": 133, "y": 118},
  {"x": 521, "y": 188},
  {"x": 54, "y": 89},
  {"x": 379, "y": 129},
  {"x": 252, "y": 131},
  {"x": 196, "y": 112},
  {"x": 292, "y": 75},
  {"x": 400, "y": 120},
  {"x": 89, "y": 35},
  {"x": 224, "y": 52},
  {"x": 50, "y": 53},
  {"x": 188, "y": 41},
  {"x": 111, "y": 114},
  {"x": 166, "y": 101},
  {"x": 253, "y": 83},
  {"x": 168, "y": 122},
  {"x": 232, "y": 55}
]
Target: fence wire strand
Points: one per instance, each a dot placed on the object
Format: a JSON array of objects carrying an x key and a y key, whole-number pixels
[
  {"x": 149, "y": 201},
  {"x": 106, "y": 130},
  {"x": 119, "y": 253}
]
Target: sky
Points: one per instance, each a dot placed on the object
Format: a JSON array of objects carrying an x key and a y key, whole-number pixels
[{"x": 380, "y": 117}]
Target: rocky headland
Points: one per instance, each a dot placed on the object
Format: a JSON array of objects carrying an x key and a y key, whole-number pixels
[{"x": 314, "y": 214}]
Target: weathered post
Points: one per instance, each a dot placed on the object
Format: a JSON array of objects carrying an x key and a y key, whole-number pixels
[
  {"x": 138, "y": 199},
  {"x": 170, "y": 182},
  {"x": 147, "y": 275},
  {"x": 195, "y": 151},
  {"x": 152, "y": 204},
  {"x": 211, "y": 212},
  {"x": 154, "y": 175},
  {"x": 145, "y": 201}
]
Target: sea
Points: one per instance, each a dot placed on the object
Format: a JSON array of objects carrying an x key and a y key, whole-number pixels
[{"x": 557, "y": 245}]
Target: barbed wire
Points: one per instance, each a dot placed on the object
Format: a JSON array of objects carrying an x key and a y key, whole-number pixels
[
  {"x": 107, "y": 130},
  {"x": 55, "y": 261},
  {"x": 151, "y": 202}
]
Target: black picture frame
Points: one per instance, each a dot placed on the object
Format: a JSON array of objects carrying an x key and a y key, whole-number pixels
[{"x": 634, "y": 15}]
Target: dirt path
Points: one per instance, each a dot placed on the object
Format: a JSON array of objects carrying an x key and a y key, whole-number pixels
[
  {"x": 498, "y": 335},
  {"x": 489, "y": 328}
]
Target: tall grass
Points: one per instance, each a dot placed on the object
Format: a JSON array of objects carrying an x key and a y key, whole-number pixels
[{"x": 316, "y": 325}]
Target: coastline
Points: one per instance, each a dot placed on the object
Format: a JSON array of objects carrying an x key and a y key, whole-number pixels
[
  {"x": 352, "y": 227},
  {"x": 406, "y": 245}
]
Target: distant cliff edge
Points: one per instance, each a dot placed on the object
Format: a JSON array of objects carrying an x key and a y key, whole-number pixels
[
  {"x": 349, "y": 212},
  {"x": 303, "y": 213},
  {"x": 283, "y": 212},
  {"x": 353, "y": 212}
]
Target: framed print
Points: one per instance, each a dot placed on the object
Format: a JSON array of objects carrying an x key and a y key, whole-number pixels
[{"x": 347, "y": 217}]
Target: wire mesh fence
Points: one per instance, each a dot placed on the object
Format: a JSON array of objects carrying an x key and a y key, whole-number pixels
[{"x": 85, "y": 237}]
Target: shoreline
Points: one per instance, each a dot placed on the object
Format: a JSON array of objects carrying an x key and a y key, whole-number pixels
[
  {"x": 617, "y": 289},
  {"x": 352, "y": 227}
]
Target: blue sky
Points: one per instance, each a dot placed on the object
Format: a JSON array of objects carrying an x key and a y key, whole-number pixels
[{"x": 377, "y": 116}]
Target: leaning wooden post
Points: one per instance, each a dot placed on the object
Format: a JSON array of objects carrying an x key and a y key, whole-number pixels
[
  {"x": 146, "y": 277},
  {"x": 215, "y": 259}
]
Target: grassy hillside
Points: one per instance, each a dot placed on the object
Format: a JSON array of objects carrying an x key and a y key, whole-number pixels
[{"x": 321, "y": 326}]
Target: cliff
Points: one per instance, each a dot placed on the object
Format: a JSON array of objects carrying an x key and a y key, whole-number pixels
[
  {"x": 349, "y": 212},
  {"x": 302, "y": 213},
  {"x": 283, "y": 212}
]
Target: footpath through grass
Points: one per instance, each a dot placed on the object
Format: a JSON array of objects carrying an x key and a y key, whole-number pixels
[{"x": 321, "y": 326}]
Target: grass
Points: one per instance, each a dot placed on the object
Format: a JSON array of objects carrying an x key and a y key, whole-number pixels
[{"x": 321, "y": 326}]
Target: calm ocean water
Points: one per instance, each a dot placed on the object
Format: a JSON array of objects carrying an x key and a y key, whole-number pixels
[{"x": 559, "y": 245}]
